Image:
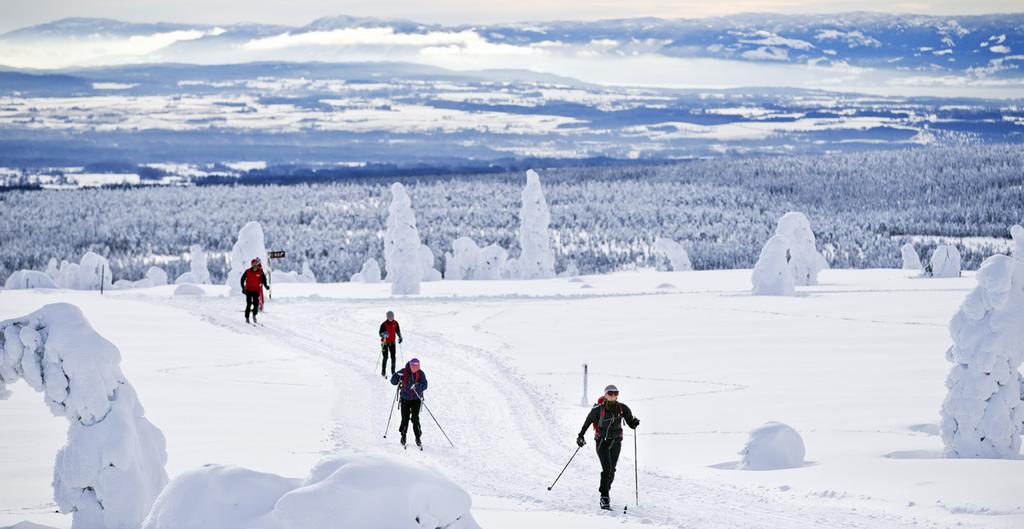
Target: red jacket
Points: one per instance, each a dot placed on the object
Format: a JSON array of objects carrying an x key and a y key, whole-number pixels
[
  {"x": 388, "y": 331},
  {"x": 253, "y": 281}
]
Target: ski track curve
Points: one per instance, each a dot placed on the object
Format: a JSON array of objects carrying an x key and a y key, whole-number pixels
[{"x": 508, "y": 440}]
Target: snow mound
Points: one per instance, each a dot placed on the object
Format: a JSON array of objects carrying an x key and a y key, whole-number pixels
[
  {"x": 189, "y": 289},
  {"x": 370, "y": 273},
  {"x": 24, "y": 279},
  {"x": 772, "y": 276},
  {"x": 773, "y": 446},
  {"x": 198, "y": 274},
  {"x": 675, "y": 252},
  {"x": 306, "y": 276},
  {"x": 945, "y": 262},
  {"x": 366, "y": 491},
  {"x": 112, "y": 467},
  {"x": 804, "y": 260},
  {"x": 983, "y": 413},
  {"x": 155, "y": 277},
  {"x": 249, "y": 245},
  {"x": 402, "y": 255},
  {"x": 911, "y": 261},
  {"x": 666, "y": 286}
]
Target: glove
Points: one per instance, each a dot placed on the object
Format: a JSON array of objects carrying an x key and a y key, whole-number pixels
[
  {"x": 399, "y": 339},
  {"x": 383, "y": 335},
  {"x": 636, "y": 422},
  {"x": 580, "y": 441}
]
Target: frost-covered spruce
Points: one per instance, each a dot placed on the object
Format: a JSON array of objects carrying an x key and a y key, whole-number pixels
[
  {"x": 772, "y": 276},
  {"x": 983, "y": 413},
  {"x": 369, "y": 273},
  {"x": 491, "y": 262},
  {"x": 804, "y": 260},
  {"x": 911, "y": 261},
  {"x": 249, "y": 245},
  {"x": 199, "y": 273},
  {"x": 675, "y": 253},
  {"x": 945, "y": 262},
  {"x": 402, "y": 258},
  {"x": 536, "y": 259},
  {"x": 427, "y": 257},
  {"x": 112, "y": 467}
]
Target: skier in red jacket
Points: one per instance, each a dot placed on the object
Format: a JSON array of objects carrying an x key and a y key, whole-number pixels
[
  {"x": 389, "y": 332},
  {"x": 253, "y": 280}
]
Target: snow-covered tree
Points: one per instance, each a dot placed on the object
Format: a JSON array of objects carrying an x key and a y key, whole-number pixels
[
  {"x": 461, "y": 262},
  {"x": 199, "y": 273},
  {"x": 536, "y": 260},
  {"x": 772, "y": 275},
  {"x": 249, "y": 245},
  {"x": 402, "y": 257},
  {"x": 911, "y": 261},
  {"x": 983, "y": 413},
  {"x": 427, "y": 258},
  {"x": 945, "y": 262},
  {"x": 804, "y": 260},
  {"x": 155, "y": 277},
  {"x": 675, "y": 253},
  {"x": 369, "y": 273},
  {"x": 112, "y": 467},
  {"x": 491, "y": 262}
]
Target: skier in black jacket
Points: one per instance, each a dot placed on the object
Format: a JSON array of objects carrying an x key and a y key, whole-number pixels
[{"x": 606, "y": 417}]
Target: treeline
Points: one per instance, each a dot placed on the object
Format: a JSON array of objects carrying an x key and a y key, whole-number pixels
[{"x": 862, "y": 206}]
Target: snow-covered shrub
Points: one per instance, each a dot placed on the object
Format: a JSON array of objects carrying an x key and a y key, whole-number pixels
[
  {"x": 911, "y": 261},
  {"x": 772, "y": 275},
  {"x": 402, "y": 257},
  {"x": 773, "y": 446},
  {"x": 675, "y": 253},
  {"x": 571, "y": 270},
  {"x": 462, "y": 261},
  {"x": 365, "y": 491},
  {"x": 491, "y": 262},
  {"x": 29, "y": 279},
  {"x": 52, "y": 270},
  {"x": 804, "y": 260},
  {"x": 427, "y": 258},
  {"x": 370, "y": 273},
  {"x": 982, "y": 415},
  {"x": 249, "y": 245},
  {"x": 112, "y": 467},
  {"x": 189, "y": 289},
  {"x": 198, "y": 272},
  {"x": 536, "y": 259},
  {"x": 945, "y": 262}
]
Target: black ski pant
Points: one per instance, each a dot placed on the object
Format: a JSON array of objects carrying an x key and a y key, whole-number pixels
[
  {"x": 410, "y": 410},
  {"x": 252, "y": 302},
  {"x": 608, "y": 452},
  {"x": 385, "y": 348}
]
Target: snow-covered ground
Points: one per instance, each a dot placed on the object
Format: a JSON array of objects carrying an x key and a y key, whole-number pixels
[{"x": 855, "y": 364}]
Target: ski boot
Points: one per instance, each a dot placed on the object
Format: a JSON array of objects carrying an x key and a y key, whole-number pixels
[
  {"x": 419, "y": 444},
  {"x": 402, "y": 440},
  {"x": 606, "y": 503}
]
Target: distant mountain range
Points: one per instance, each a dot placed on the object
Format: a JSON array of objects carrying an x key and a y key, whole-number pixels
[{"x": 979, "y": 46}]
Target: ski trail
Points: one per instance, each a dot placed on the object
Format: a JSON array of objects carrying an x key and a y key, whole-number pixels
[{"x": 509, "y": 442}]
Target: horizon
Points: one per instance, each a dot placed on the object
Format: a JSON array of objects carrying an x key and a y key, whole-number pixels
[{"x": 23, "y": 14}]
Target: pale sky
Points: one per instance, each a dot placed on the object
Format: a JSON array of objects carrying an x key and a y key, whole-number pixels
[{"x": 19, "y": 13}]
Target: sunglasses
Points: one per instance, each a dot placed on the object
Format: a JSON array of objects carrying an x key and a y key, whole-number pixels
[{"x": 612, "y": 393}]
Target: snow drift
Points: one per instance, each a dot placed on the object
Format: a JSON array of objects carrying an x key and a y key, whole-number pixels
[
  {"x": 773, "y": 446},
  {"x": 364, "y": 491},
  {"x": 402, "y": 255},
  {"x": 188, "y": 289},
  {"x": 249, "y": 245},
  {"x": 112, "y": 467},
  {"x": 982, "y": 415}
]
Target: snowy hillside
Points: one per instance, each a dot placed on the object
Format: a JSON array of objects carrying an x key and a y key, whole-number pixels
[{"x": 855, "y": 365}]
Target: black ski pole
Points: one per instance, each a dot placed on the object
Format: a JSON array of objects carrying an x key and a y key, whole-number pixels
[
  {"x": 414, "y": 390},
  {"x": 392, "y": 412},
  {"x": 565, "y": 467},
  {"x": 636, "y": 471}
]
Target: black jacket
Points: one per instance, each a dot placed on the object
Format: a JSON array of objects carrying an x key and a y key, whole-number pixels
[{"x": 608, "y": 417}]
